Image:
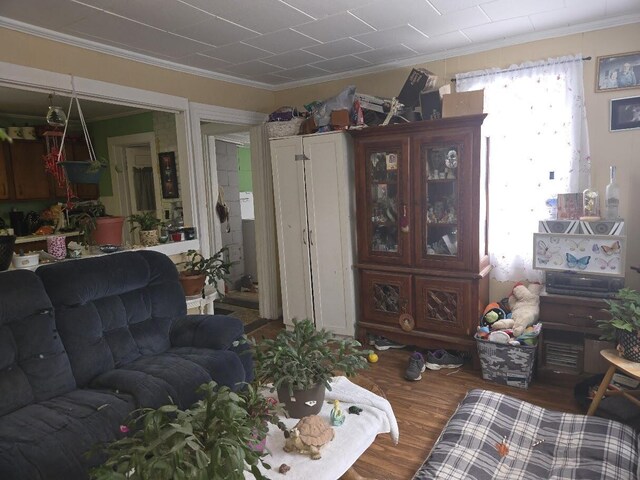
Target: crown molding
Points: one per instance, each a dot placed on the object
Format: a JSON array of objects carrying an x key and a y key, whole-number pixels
[{"x": 470, "y": 49}]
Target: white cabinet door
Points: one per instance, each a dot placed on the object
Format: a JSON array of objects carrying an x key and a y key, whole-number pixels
[
  {"x": 291, "y": 225},
  {"x": 329, "y": 188}
]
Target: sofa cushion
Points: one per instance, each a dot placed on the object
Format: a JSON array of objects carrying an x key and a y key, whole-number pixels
[
  {"x": 110, "y": 310},
  {"x": 173, "y": 376},
  {"x": 33, "y": 363},
  {"x": 48, "y": 440}
]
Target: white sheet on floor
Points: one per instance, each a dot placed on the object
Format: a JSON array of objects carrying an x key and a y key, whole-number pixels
[{"x": 351, "y": 439}]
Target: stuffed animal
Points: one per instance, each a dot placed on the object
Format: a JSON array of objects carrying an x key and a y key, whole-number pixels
[{"x": 525, "y": 308}]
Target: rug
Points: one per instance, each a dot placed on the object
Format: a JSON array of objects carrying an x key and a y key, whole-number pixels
[{"x": 249, "y": 316}]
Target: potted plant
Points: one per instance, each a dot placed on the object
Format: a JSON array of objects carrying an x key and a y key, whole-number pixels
[
  {"x": 148, "y": 224},
  {"x": 624, "y": 324},
  {"x": 198, "y": 271},
  {"x": 301, "y": 362},
  {"x": 215, "y": 438}
]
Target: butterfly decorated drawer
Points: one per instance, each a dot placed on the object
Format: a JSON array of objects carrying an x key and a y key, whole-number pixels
[{"x": 598, "y": 254}]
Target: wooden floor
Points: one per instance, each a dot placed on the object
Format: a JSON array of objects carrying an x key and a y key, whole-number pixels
[{"x": 422, "y": 408}]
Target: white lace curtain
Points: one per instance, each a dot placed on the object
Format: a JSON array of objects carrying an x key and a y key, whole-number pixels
[{"x": 537, "y": 125}]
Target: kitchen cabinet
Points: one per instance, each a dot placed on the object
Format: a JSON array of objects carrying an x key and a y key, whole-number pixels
[
  {"x": 4, "y": 175},
  {"x": 422, "y": 253},
  {"x": 313, "y": 192},
  {"x": 30, "y": 181}
]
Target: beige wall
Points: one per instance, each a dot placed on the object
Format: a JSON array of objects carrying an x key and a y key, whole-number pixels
[
  {"x": 607, "y": 148},
  {"x": 31, "y": 51}
]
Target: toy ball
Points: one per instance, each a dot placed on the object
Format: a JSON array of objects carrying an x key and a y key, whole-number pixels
[
  {"x": 373, "y": 358},
  {"x": 492, "y": 314}
]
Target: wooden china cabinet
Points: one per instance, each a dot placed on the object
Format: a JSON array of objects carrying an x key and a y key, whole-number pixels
[{"x": 421, "y": 201}]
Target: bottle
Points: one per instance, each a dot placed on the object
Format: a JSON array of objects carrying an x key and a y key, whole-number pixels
[
  {"x": 612, "y": 196},
  {"x": 552, "y": 202}
]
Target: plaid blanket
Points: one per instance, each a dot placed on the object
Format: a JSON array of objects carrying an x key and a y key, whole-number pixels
[{"x": 568, "y": 446}]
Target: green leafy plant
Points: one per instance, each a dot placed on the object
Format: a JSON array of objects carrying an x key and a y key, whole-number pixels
[
  {"x": 303, "y": 357},
  {"x": 214, "y": 268},
  {"x": 215, "y": 438},
  {"x": 145, "y": 221},
  {"x": 625, "y": 314}
]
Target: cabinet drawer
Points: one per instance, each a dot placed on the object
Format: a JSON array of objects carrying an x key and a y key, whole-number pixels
[
  {"x": 385, "y": 296},
  {"x": 575, "y": 315}
]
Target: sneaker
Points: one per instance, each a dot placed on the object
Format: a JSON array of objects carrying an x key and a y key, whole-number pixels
[
  {"x": 416, "y": 367},
  {"x": 382, "y": 343},
  {"x": 442, "y": 359}
]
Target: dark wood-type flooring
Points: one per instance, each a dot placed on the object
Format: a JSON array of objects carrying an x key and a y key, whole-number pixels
[{"x": 422, "y": 408}]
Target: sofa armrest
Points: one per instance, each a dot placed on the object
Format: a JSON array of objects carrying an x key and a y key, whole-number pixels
[{"x": 218, "y": 332}]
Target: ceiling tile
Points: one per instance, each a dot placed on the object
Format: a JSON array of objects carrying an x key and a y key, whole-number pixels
[
  {"x": 619, "y": 7},
  {"x": 33, "y": 12},
  {"x": 506, "y": 9},
  {"x": 342, "y": 64},
  {"x": 325, "y": 8},
  {"x": 393, "y": 36},
  {"x": 577, "y": 11},
  {"x": 215, "y": 31},
  {"x": 439, "y": 43},
  {"x": 499, "y": 30},
  {"x": 304, "y": 72},
  {"x": 381, "y": 16},
  {"x": 339, "y": 48},
  {"x": 335, "y": 27},
  {"x": 446, "y": 6},
  {"x": 168, "y": 15},
  {"x": 293, "y": 59},
  {"x": 263, "y": 16},
  {"x": 450, "y": 22},
  {"x": 237, "y": 53},
  {"x": 252, "y": 68},
  {"x": 270, "y": 78},
  {"x": 281, "y": 41},
  {"x": 202, "y": 61},
  {"x": 387, "y": 54}
]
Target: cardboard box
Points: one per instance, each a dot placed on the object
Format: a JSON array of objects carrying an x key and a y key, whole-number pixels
[
  {"x": 463, "y": 103},
  {"x": 339, "y": 119}
]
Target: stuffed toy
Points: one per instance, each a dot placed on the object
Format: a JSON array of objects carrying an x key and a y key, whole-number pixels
[{"x": 525, "y": 308}]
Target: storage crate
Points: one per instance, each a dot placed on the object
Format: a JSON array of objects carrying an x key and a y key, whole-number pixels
[
  {"x": 284, "y": 129},
  {"x": 507, "y": 364}
]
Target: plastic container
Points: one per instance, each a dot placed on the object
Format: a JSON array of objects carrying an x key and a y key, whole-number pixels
[
  {"x": 28, "y": 260},
  {"x": 507, "y": 364}
]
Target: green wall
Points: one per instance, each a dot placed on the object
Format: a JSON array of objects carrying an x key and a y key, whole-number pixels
[
  {"x": 100, "y": 131},
  {"x": 245, "y": 184}
]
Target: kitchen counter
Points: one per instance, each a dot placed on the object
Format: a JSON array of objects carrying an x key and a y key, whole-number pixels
[{"x": 40, "y": 238}]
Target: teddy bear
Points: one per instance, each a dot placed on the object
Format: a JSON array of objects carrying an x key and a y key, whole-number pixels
[{"x": 525, "y": 308}]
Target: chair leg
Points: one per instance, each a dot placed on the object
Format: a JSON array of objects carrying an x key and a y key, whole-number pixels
[{"x": 601, "y": 390}]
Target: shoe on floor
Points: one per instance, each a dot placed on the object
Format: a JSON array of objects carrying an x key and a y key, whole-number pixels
[
  {"x": 416, "y": 367},
  {"x": 442, "y": 359},
  {"x": 382, "y": 343}
]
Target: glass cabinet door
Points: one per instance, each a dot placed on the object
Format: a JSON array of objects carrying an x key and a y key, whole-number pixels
[{"x": 387, "y": 212}]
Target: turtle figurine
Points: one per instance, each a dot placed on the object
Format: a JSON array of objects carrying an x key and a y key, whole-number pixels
[{"x": 308, "y": 436}]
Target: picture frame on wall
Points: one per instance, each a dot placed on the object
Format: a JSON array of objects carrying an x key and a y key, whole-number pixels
[
  {"x": 168, "y": 175},
  {"x": 618, "y": 72},
  {"x": 625, "y": 113}
]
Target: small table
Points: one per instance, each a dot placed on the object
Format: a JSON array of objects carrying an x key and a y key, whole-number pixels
[
  {"x": 351, "y": 439},
  {"x": 203, "y": 303},
  {"x": 616, "y": 363}
]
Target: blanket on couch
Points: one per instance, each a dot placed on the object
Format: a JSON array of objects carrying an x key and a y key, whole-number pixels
[{"x": 542, "y": 444}]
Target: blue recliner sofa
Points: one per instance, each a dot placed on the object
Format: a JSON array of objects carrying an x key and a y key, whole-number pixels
[{"x": 85, "y": 342}]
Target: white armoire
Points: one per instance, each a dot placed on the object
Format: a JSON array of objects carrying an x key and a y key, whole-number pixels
[{"x": 315, "y": 221}]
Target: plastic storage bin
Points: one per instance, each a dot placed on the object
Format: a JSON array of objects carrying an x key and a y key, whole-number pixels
[{"x": 507, "y": 364}]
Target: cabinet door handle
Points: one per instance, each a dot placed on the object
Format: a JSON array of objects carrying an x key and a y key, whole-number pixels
[
  {"x": 304, "y": 236},
  {"x": 310, "y": 237},
  {"x": 586, "y": 317}
]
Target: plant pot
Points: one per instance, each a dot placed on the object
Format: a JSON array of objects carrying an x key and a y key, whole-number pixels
[
  {"x": 192, "y": 284},
  {"x": 149, "y": 238},
  {"x": 629, "y": 345},
  {"x": 82, "y": 172},
  {"x": 108, "y": 231},
  {"x": 6, "y": 250},
  {"x": 302, "y": 402}
]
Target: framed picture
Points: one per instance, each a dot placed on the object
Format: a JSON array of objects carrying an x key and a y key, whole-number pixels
[
  {"x": 625, "y": 113},
  {"x": 168, "y": 175},
  {"x": 616, "y": 72}
]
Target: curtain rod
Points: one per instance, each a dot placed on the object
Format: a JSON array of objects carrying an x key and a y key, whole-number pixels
[{"x": 583, "y": 59}]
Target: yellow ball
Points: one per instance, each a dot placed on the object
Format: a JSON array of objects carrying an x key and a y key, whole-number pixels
[{"x": 373, "y": 358}]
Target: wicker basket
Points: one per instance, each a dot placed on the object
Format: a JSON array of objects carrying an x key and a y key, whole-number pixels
[
  {"x": 284, "y": 129},
  {"x": 506, "y": 364}
]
